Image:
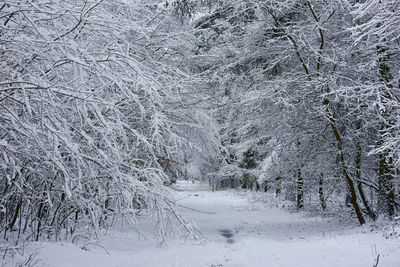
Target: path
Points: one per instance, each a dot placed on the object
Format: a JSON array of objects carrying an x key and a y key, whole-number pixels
[{"x": 238, "y": 234}]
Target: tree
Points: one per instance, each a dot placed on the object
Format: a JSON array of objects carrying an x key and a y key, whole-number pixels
[
  {"x": 87, "y": 130},
  {"x": 292, "y": 74},
  {"x": 376, "y": 33}
]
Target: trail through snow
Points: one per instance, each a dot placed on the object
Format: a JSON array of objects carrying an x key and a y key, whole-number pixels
[{"x": 237, "y": 233}]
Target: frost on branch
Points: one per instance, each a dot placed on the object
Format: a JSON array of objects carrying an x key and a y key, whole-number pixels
[{"x": 83, "y": 126}]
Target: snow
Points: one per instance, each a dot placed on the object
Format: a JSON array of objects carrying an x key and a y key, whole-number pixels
[{"x": 238, "y": 232}]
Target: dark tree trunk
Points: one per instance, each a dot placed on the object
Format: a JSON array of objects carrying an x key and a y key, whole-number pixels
[
  {"x": 368, "y": 209},
  {"x": 278, "y": 186},
  {"x": 321, "y": 192},
  {"x": 300, "y": 190},
  {"x": 349, "y": 181},
  {"x": 386, "y": 198}
]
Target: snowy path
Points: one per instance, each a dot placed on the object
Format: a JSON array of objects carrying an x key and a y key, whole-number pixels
[{"x": 238, "y": 233}]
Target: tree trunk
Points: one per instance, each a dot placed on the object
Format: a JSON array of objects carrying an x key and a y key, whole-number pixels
[
  {"x": 300, "y": 190},
  {"x": 349, "y": 181},
  {"x": 278, "y": 186},
  {"x": 386, "y": 201},
  {"x": 370, "y": 212},
  {"x": 321, "y": 192}
]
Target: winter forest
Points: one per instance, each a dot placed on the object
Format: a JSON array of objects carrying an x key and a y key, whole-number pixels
[{"x": 200, "y": 133}]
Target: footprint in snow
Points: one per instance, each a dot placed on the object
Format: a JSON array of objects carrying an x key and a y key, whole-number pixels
[{"x": 228, "y": 234}]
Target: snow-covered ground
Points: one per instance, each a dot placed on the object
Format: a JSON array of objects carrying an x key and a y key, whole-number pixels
[{"x": 237, "y": 233}]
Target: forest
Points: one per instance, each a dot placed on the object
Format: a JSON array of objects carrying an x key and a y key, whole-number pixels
[{"x": 105, "y": 105}]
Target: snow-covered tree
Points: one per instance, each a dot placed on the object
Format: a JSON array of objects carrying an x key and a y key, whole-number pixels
[
  {"x": 376, "y": 36},
  {"x": 299, "y": 75},
  {"x": 88, "y": 97}
]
